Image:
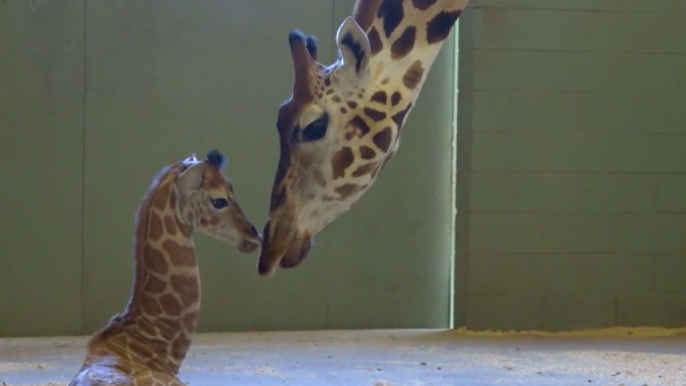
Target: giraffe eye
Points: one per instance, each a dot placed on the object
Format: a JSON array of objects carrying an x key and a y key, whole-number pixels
[
  {"x": 219, "y": 203},
  {"x": 315, "y": 130}
]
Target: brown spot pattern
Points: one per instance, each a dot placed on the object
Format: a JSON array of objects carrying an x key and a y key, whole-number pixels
[
  {"x": 383, "y": 138},
  {"x": 391, "y": 12},
  {"x": 204, "y": 222},
  {"x": 341, "y": 161},
  {"x": 186, "y": 230},
  {"x": 214, "y": 221},
  {"x": 395, "y": 98},
  {"x": 168, "y": 333},
  {"x": 138, "y": 346},
  {"x": 364, "y": 169},
  {"x": 151, "y": 306},
  {"x": 178, "y": 254},
  {"x": 147, "y": 327},
  {"x": 155, "y": 285},
  {"x": 399, "y": 117},
  {"x": 375, "y": 115},
  {"x": 327, "y": 198},
  {"x": 343, "y": 110},
  {"x": 439, "y": 27},
  {"x": 155, "y": 260},
  {"x": 170, "y": 225},
  {"x": 404, "y": 44},
  {"x": 170, "y": 305},
  {"x": 318, "y": 176},
  {"x": 352, "y": 104},
  {"x": 346, "y": 190},
  {"x": 374, "y": 41},
  {"x": 161, "y": 197},
  {"x": 180, "y": 346},
  {"x": 380, "y": 97},
  {"x": 413, "y": 75},
  {"x": 367, "y": 152},
  {"x": 423, "y": 5},
  {"x": 188, "y": 287},
  {"x": 156, "y": 228},
  {"x": 336, "y": 99},
  {"x": 358, "y": 127}
]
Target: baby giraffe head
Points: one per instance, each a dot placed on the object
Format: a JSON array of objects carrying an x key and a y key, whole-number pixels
[
  {"x": 206, "y": 201},
  {"x": 336, "y": 131}
]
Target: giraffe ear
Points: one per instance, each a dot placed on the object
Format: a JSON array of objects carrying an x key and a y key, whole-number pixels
[
  {"x": 191, "y": 179},
  {"x": 353, "y": 45}
]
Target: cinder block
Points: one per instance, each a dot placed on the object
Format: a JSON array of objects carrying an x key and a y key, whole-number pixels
[
  {"x": 577, "y": 312},
  {"x": 504, "y": 312},
  {"x": 504, "y": 274},
  {"x": 619, "y": 193},
  {"x": 505, "y": 233},
  {"x": 578, "y": 152},
  {"x": 656, "y": 309},
  {"x": 585, "y": 274},
  {"x": 637, "y": 6},
  {"x": 517, "y": 274},
  {"x": 670, "y": 272},
  {"x": 524, "y": 192},
  {"x": 515, "y": 70},
  {"x": 671, "y": 190},
  {"x": 578, "y": 112},
  {"x": 577, "y": 233},
  {"x": 519, "y": 29}
]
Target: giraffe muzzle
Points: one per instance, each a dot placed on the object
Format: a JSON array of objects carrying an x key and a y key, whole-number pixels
[{"x": 286, "y": 249}]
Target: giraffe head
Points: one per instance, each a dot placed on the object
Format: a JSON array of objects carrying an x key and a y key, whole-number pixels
[
  {"x": 342, "y": 122},
  {"x": 206, "y": 201}
]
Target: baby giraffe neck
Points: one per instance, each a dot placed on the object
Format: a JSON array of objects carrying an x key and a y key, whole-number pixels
[{"x": 162, "y": 313}]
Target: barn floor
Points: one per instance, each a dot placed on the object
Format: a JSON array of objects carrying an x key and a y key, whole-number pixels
[{"x": 389, "y": 358}]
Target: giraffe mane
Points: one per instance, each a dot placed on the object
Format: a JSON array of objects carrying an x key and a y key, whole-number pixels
[{"x": 142, "y": 219}]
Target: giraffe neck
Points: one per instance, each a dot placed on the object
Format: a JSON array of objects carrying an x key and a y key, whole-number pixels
[
  {"x": 161, "y": 315},
  {"x": 405, "y": 38}
]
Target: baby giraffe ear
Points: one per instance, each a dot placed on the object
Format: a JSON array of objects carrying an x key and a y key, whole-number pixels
[
  {"x": 191, "y": 179},
  {"x": 353, "y": 45}
]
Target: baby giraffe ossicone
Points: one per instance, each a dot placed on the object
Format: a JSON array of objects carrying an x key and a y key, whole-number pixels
[{"x": 146, "y": 344}]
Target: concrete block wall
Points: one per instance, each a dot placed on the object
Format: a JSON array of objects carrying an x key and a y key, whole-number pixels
[
  {"x": 571, "y": 164},
  {"x": 96, "y": 96}
]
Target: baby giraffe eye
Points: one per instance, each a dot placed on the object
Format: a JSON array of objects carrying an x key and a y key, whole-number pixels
[
  {"x": 315, "y": 130},
  {"x": 219, "y": 203}
]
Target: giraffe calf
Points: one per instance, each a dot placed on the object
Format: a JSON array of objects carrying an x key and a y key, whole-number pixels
[{"x": 147, "y": 343}]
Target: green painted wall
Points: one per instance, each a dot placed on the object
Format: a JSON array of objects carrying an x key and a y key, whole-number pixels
[
  {"x": 97, "y": 96},
  {"x": 571, "y": 164}
]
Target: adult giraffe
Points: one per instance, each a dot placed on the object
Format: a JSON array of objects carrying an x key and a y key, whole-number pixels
[{"x": 342, "y": 123}]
